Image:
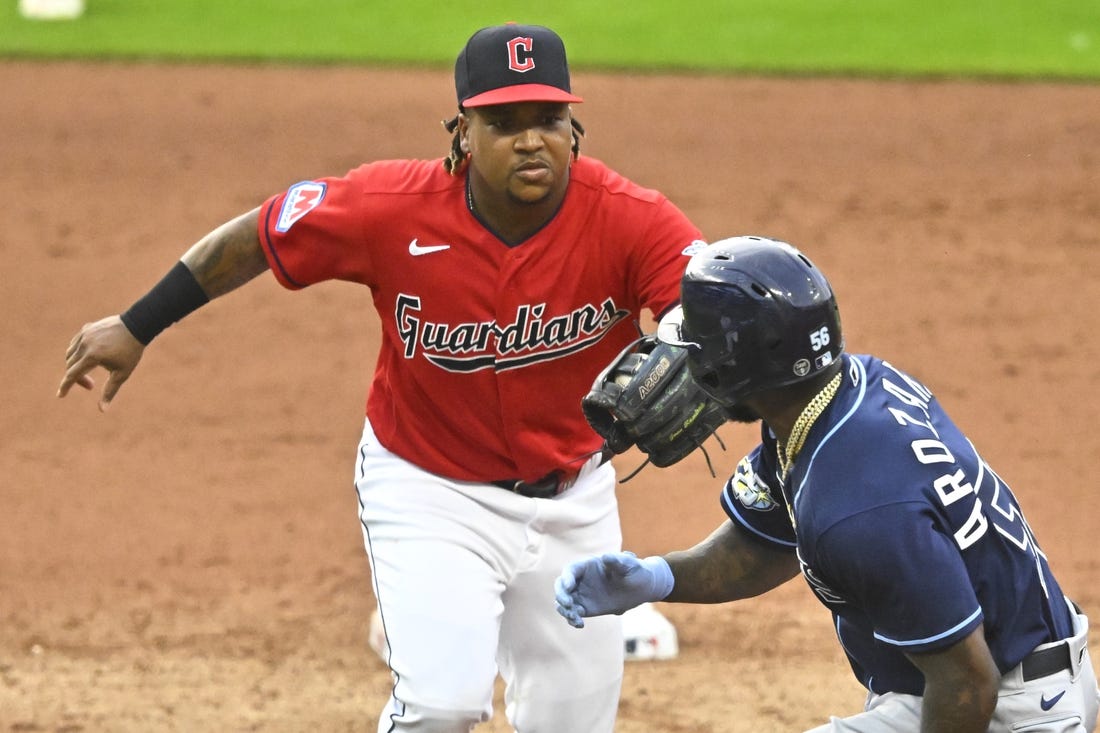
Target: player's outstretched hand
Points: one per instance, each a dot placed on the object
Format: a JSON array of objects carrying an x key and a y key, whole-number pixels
[
  {"x": 106, "y": 343},
  {"x": 611, "y": 583}
]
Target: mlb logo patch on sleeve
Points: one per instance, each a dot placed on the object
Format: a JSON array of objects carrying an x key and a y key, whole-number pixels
[{"x": 301, "y": 198}]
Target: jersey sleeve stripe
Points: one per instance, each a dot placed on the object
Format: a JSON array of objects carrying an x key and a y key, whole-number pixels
[
  {"x": 731, "y": 510},
  {"x": 270, "y": 247},
  {"x": 971, "y": 619}
]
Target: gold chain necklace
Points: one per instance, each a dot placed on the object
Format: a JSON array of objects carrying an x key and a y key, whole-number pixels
[{"x": 802, "y": 425}]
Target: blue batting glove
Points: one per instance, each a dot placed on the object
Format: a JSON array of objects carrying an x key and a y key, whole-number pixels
[{"x": 610, "y": 583}]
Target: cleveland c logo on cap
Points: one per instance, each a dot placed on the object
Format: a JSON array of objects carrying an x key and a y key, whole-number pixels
[
  {"x": 483, "y": 77},
  {"x": 519, "y": 54}
]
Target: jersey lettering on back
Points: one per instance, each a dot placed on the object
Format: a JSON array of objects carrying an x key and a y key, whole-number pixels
[{"x": 954, "y": 485}]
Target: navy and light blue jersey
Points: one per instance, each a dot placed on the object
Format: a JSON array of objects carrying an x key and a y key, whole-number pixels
[{"x": 901, "y": 530}]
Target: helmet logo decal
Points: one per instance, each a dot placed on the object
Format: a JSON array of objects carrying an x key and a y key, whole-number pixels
[
  {"x": 802, "y": 367},
  {"x": 695, "y": 247}
]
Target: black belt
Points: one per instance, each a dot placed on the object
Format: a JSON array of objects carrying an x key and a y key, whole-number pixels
[
  {"x": 1046, "y": 662},
  {"x": 548, "y": 486}
]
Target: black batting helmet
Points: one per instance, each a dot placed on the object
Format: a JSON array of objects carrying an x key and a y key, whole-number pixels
[{"x": 755, "y": 314}]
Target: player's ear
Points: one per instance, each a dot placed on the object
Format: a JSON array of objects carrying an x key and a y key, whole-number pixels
[{"x": 464, "y": 133}]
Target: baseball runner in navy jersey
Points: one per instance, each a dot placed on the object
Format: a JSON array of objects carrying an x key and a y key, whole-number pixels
[
  {"x": 505, "y": 275},
  {"x": 942, "y": 598}
]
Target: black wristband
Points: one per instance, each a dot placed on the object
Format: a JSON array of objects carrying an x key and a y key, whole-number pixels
[{"x": 177, "y": 294}]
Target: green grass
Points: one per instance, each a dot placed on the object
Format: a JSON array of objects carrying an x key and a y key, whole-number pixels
[{"x": 1005, "y": 38}]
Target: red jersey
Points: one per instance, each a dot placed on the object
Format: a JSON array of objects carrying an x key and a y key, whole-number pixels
[{"x": 487, "y": 349}]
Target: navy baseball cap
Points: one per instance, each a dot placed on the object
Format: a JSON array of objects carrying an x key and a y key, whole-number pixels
[{"x": 503, "y": 64}]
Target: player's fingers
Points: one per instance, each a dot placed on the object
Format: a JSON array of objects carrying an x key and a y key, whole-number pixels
[
  {"x": 74, "y": 345},
  {"x": 111, "y": 387},
  {"x": 572, "y": 617},
  {"x": 577, "y": 571},
  {"x": 569, "y": 580},
  {"x": 563, "y": 589},
  {"x": 76, "y": 374},
  {"x": 77, "y": 364},
  {"x": 72, "y": 371}
]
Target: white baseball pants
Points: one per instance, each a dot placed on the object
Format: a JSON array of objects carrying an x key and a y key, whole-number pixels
[
  {"x": 464, "y": 578},
  {"x": 1022, "y": 707}
]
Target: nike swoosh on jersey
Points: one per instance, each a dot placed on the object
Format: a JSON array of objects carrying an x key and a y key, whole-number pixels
[
  {"x": 416, "y": 250},
  {"x": 1046, "y": 704}
]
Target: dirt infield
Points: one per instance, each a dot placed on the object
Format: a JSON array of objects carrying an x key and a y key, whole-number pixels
[{"x": 191, "y": 560}]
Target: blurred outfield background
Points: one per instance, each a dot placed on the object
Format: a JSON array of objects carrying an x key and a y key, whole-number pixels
[{"x": 1051, "y": 39}]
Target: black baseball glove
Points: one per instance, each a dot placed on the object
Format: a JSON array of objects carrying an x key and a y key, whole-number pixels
[{"x": 646, "y": 397}]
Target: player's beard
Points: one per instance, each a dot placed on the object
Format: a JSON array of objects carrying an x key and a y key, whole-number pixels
[
  {"x": 555, "y": 192},
  {"x": 742, "y": 414}
]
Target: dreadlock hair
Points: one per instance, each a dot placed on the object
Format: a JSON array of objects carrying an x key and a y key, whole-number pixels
[{"x": 455, "y": 161}]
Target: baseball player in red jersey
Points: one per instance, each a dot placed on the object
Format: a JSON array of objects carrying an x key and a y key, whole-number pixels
[{"x": 505, "y": 276}]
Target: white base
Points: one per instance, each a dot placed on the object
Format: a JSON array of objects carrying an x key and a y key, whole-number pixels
[
  {"x": 649, "y": 635},
  {"x": 51, "y": 9}
]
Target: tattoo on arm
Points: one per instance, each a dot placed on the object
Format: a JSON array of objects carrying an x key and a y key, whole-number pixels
[
  {"x": 227, "y": 257},
  {"x": 727, "y": 566}
]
